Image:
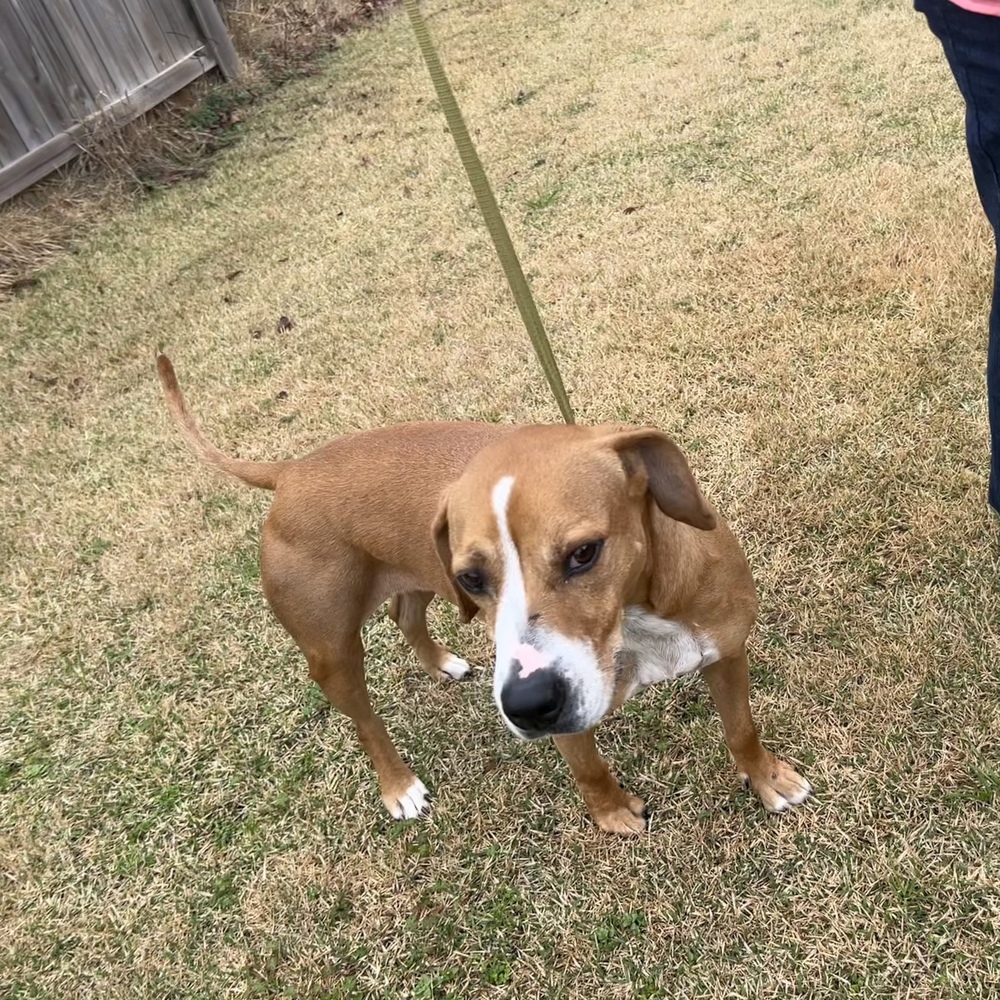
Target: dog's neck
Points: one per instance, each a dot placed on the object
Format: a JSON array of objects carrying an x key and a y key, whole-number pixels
[{"x": 669, "y": 577}]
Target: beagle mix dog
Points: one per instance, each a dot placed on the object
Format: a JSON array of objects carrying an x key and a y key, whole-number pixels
[{"x": 589, "y": 552}]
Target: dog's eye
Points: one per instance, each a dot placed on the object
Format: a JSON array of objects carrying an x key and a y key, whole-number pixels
[
  {"x": 583, "y": 558},
  {"x": 472, "y": 581}
]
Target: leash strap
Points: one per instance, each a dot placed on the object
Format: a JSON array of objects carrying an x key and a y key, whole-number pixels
[{"x": 491, "y": 212}]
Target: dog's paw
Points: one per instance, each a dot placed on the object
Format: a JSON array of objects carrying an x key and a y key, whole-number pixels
[
  {"x": 627, "y": 816},
  {"x": 454, "y": 668},
  {"x": 778, "y": 786},
  {"x": 411, "y": 803}
]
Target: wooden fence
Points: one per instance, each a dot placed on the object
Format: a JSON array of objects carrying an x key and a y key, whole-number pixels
[{"x": 64, "y": 63}]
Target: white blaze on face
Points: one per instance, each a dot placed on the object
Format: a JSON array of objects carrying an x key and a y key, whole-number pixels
[
  {"x": 512, "y": 607},
  {"x": 591, "y": 690}
]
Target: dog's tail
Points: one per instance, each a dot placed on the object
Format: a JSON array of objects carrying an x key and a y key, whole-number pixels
[{"x": 262, "y": 474}]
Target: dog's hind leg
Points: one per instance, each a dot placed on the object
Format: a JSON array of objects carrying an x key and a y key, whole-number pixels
[
  {"x": 340, "y": 673},
  {"x": 409, "y": 612},
  {"x": 310, "y": 598}
]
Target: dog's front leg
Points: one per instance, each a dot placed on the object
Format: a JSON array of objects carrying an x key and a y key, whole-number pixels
[
  {"x": 777, "y": 784},
  {"x": 613, "y": 809}
]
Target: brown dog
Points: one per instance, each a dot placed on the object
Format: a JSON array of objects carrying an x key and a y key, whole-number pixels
[{"x": 590, "y": 553}]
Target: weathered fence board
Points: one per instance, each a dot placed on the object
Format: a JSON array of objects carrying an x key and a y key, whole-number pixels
[
  {"x": 22, "y": 90},
  {"x": 12, "y": 147},
  {"x": 65, "y": 88},
  {"x": 65, "y": 62},
  {"x": 68, "y": 23},
  {"x": 214, "y": 32},
  {"x": 101, "y": 44}
]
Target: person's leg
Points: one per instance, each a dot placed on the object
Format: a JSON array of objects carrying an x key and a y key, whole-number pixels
[
  {"x": 971, "y": 44},
  {"x": 993, "y": 384}
]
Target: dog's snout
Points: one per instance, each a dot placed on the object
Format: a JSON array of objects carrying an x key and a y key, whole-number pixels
[{"x": 534, "y": 703}]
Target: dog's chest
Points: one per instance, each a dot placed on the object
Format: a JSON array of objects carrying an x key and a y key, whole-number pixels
[{"x": 663, "y": 649}]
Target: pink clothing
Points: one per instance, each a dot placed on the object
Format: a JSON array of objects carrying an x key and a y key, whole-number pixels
[{"x": 980, "y": 6}]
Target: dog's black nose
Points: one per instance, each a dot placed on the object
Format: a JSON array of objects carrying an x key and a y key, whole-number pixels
[{"x": 534, "y": 703}]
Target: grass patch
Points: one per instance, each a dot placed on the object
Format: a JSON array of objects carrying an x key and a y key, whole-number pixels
[
  {"x": 178, "y": 141},
  {"x": 749, "y": 231}
]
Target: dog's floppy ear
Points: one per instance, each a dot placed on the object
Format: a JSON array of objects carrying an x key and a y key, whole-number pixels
[
  {"x": 668, "y": 477},
  {"x": 442, "y": 543}
]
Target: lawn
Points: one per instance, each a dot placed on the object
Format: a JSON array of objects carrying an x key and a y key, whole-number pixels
[{"x": 751, "y": 225}]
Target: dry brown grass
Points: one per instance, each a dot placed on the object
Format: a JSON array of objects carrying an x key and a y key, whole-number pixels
[
  {"x": 799, "y": 296},
  {"x": 278, "y": 40},
  {"x": 279, "y": 37},
  {"x": 115, "y": 168}
]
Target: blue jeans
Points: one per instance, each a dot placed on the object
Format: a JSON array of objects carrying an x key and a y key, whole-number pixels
[{"x": 972, "y": 46}]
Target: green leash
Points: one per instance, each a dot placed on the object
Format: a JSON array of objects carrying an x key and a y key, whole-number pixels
[{"x": 491, "y": 212}]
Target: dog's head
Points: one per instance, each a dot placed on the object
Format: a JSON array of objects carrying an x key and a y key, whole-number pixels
[{"x": 546, "y": 536}]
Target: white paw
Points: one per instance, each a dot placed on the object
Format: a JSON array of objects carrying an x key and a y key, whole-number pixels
[
  {"x": 455, "y": 667},
  {"x": 780, "y": 789},
  {"x": 412, "y": 803},
  {"x": 787, "y": 800}
]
